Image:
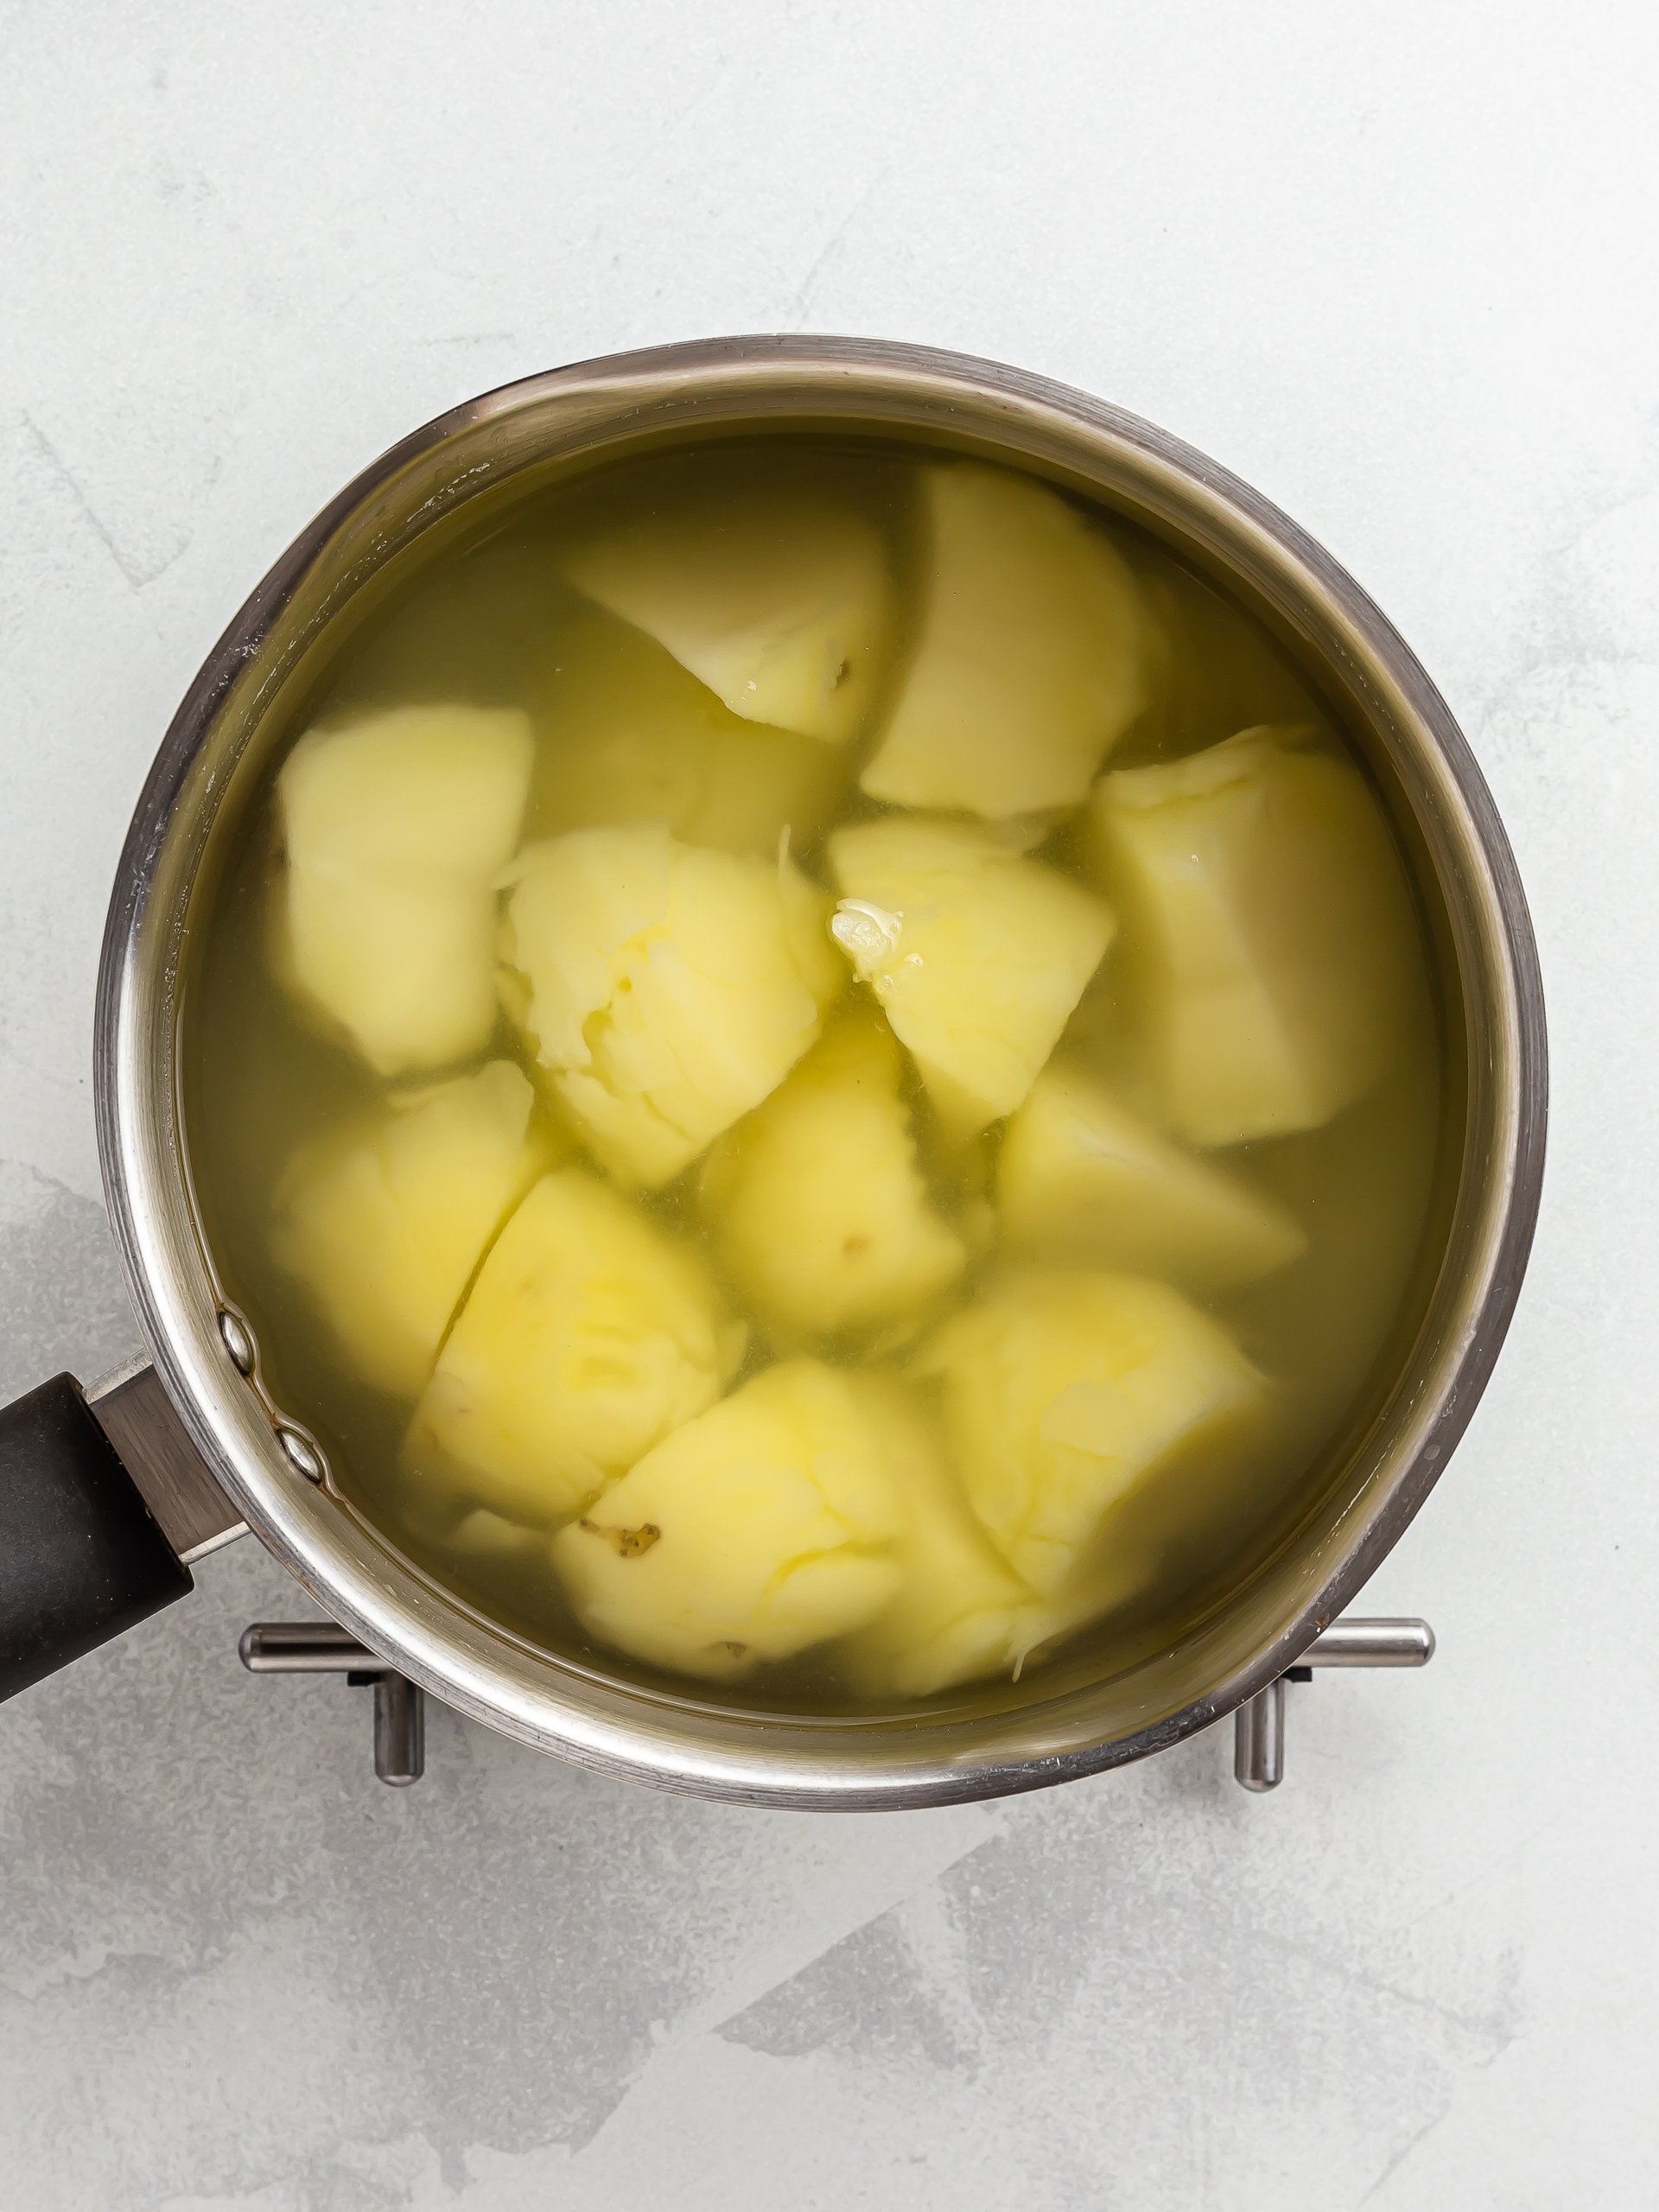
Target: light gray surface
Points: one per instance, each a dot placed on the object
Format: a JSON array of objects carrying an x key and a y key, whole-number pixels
[{"x": 1394, "y": 266}]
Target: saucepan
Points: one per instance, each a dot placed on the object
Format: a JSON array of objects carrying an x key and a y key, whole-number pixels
[{"x": 89, "y": 1549}]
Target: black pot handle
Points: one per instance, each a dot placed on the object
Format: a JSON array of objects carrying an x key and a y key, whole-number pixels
[{"x": 102, "y": 1505}]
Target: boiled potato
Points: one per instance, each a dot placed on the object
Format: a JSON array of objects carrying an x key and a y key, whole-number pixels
[
  {"x": 1063, "y": 1391},
  {"x": 1274, "y": 944},
  {"x": 960, "y": 1613},
  {"x": 953, "y": 1615},
  {"x": 977, "y": 954},
  {"x": 815, "y": 1200},
  {"x": 778, "y": 600},
  {"x": 385, "y": 1225},
  {"x": 394, "y": 829},
  {"x": 1080, "y": 1176},
  {"x": 630, "y": 735},
  {"x": 1212, "y": 670},
  {"x": 481, "y": 1534},
  {"x": 763, "y": 1526},
  {"x": 1030, "y": 663},
  {"x": 589, "y": 1334},
  {"x": 669, "y": 988}
]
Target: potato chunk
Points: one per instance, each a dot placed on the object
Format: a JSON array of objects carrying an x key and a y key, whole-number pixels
[
  {"x": 960, "y": 1613},
  {"x": 1030, "y": 664},
  {"x": 977, "y": 954},
  {"x": 1081, "y": 1177},
  {"x": 815, "y": 1199},
  {"x": 952, "y": 1616},
  {"x": 630, "y": 735},
  {"x": 669, "y": 989},
  {"x": 589, "y": 1334},
  {"x": 394, "y": 830},
  {"x": 1276, "y": 950},
  {"x": 384, "y": 1226},
  {"x": 1064, "y": 1392},
  {"x": 779, "y": 601},
  {"x": 760, "y": 1529}
]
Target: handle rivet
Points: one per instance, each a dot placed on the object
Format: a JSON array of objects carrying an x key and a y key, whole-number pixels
[
  {"x": 237, "y": 1341},
  {"x": 302, "y": 1454}
]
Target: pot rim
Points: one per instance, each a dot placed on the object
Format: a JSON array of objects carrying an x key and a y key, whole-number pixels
[{"x": 677, "y": 1745}]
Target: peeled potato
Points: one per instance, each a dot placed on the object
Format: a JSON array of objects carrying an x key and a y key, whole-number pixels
[
  {"x": 394, "y": 829},
  {"x": 669, "y": 989},
  {"x": 630, "y": 735},
  {"x": 815, "y": 1200},
  {"x": 1065, "y": 1391},
  {"x": 763, "y": 1526},
  {"x": 589, "y": 1334},
  {"x": 385, "y": 1227},
  {"x": 481, "y": 1534},
  {"x": 1275, "y": 948},
  {"x": 952, "y": 1616},
  {"x": 960, "y": 1613},
  {"x": 1082, "y": 1177},
  {"x": 977, "y": 954},
  {"x": 1212, "y": 669},
  {"x": 1030, "y": 663},
  {"x": 780, "y": 601}
]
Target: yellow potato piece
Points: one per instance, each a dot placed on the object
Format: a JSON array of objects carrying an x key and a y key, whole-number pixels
[
  {"x": 1275, "y": 951},
  {"x": 977, "y": 954},
  {"x": 763, "y": 1526},
  {"x": 817, "y": 1205},
  {"x": 394, "y": 829},
  {"x": 952, "y": 1617},
  {"x": 960, "y": 1613},
  {"x": 669, "y": 988},
  {"x": 1082, "y": 1177},
  {"x": 589, "y": 1334},
  {"x": 1065, "y": 1391},
  {"x": 383, "y": 1227},
  {"x": 481, "y": 1534},
  {"x": 778, "y": 600},
  {"x": 1212, "y": 670},
  {"x": 630, "y": 735},
  {"x": 1030, "y": 663}
]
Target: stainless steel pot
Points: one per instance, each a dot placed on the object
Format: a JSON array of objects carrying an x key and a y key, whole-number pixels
[{"x": 1061, "y": 1726}]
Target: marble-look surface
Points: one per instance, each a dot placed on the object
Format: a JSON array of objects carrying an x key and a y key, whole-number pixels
[{"x": 1393, "y": 265}]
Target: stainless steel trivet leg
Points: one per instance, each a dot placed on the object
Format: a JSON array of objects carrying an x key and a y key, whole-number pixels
[
  {"x": 1259, "y": 1725},
  {"x": 320, "y": 1647}
]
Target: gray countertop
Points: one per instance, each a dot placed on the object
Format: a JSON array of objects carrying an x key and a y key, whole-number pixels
[{"x": 1394, "y": 268}]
